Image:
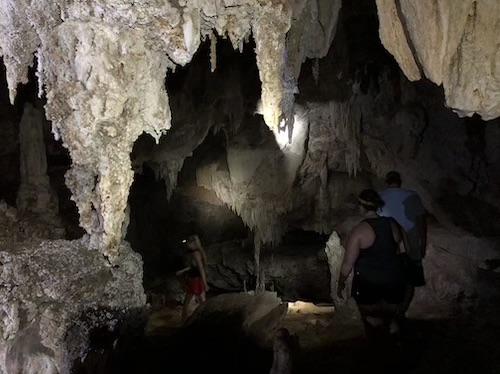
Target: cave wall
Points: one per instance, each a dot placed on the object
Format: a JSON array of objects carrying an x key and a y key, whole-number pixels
[
  {"x": 55, "y": 295},
  {"x": 452, "y": 44}
]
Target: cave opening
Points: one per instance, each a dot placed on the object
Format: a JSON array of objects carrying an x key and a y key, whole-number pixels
[
  {"x": 158, "y": 223},
  {"x": 167, "y": 203}
]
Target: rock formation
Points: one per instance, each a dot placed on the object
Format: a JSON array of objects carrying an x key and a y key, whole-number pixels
[
  {"x": 55, "y": 294},
  {"x": 452, "y": 44}
]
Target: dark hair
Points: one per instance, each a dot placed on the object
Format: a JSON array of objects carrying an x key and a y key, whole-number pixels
[
  {"x": 370, "y": 200},
  {"x": 393, "y": 177}
]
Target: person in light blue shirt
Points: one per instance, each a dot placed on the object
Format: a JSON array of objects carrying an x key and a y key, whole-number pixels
[{"x": 406, "y": 207}]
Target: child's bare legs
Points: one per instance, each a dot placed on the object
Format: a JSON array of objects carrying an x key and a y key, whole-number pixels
[
  {"x": 202, "y": 297},
  {"x": 185, "y": 306}
]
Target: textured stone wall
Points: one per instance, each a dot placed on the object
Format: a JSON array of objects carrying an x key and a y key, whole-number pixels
[
  {"x": 452, "y": 43},
  {"x": 54, "y": 294}
]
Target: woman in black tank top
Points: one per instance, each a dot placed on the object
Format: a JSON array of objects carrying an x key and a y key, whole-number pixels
[{"x": 372, "y": 250}]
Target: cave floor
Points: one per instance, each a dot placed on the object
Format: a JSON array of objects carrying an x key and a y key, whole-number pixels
[{"x": 328, "y": 345}]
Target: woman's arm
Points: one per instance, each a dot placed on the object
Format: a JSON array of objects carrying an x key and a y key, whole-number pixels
[
  {"x": 182, "y": 271},
  {"x": 350, "y": 256}
]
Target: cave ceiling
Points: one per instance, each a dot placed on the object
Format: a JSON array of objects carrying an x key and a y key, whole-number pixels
[{"x": 101, "y": 64}]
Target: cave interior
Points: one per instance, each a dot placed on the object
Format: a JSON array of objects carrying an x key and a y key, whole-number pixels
[{"x": 264, "y": 203}]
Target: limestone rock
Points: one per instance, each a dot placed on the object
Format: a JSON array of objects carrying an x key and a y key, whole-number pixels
[
  {"x": 335, "y": 253},
  {"x": 451, "y": 43},
  {"x": 53, "y": 295},
  {"x": 460, "y": 287}
]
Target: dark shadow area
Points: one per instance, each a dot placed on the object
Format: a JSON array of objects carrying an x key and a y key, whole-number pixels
[
  {"x": 304, "y": 237},
  {"x": 157, "y": 224},
  {"x": 58, "y": 158},
  {"x": 219, "y": 345},
  {"x": 9, "y": 146},
  {"x": 472, "y": 214},
  {"x": 429, "y": 346},
  {"x": 356, "y": 55},
  {"x": 197, "y": 88},
  {"x": 167, "y": 202}
]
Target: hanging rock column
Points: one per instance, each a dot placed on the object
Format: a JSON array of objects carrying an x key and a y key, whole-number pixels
[
  {"x": 269, "y": 31},
  {"x": 105, "y": 86}
]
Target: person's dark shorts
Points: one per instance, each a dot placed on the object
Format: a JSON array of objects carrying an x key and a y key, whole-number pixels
[
  {"x": 376, "y": 281},
  {"x": 368, "y": 293}
]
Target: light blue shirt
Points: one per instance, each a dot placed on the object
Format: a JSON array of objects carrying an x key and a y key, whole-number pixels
[{"x": 405, "y": 206}]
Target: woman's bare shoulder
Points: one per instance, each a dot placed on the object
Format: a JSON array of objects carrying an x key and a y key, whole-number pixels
[{"x": 360, "y": 229}]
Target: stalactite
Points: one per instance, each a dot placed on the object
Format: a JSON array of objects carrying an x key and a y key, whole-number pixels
[
  {"x": 18, "y": 42},
  {"x": 337, "y": 125},
  {"x": 100, "y": 102},
  {"x": 213, "y": 52},
  {"x": 269, "y": 33}
]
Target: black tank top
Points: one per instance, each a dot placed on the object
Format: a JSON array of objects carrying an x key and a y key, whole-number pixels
[
  {"x": 384, "y": 244},
  {"x": 378, "y": 266}
]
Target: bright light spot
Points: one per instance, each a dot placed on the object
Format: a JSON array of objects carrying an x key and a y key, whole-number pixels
[
  {"x": 282, "y": 134},
  {"x": 285, "y": 135},
  {"x": 309, "y": 308}
]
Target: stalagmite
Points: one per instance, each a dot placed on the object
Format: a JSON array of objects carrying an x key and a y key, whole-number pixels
[
  {"x": 34, "y": 192},
  {"x": 335, "y": 254},
  {"x": 36, "y": 201}
]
